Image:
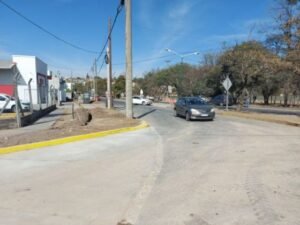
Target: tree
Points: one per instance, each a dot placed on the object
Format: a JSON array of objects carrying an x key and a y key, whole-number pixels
[
  {"x": 285, "y": 41},
  {"x": 101, "y": 85},
  {"x": 119, "y": 86},
  {"x": 250, "y": 65}
]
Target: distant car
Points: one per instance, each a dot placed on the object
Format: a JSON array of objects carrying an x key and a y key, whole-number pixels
[
  {"x": 221, "y": 100},
  {"x": 137, "y": 100},
  {"x": 204, "y": 98},
  {"x": 12, "y": 103},
  {"x": 150, "y": 98},
  {"x": 194, "y": 108}
]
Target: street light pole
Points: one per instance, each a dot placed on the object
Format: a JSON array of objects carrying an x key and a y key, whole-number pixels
[
  {"x": 182, "y": 56},
  {"x": 128, "y": 34}
]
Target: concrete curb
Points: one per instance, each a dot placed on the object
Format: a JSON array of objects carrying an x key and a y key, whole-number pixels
[
  {"x": 25, "y": 147},
  {"x": 252, "y": 117}
]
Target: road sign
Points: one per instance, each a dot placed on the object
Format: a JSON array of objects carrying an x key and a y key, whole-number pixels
[{"x": 227, "y": 83}]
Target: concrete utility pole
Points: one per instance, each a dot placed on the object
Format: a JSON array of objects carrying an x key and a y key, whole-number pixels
[
  {"x": 30, "y": 95},
  {"x": 128, "y": 34},
  {"x": 18, "y": 116},
  {"x": 109, "y": 68},
  {"x": 95, "y": 75}
]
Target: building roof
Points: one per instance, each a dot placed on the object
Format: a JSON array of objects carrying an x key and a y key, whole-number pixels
[{"x": 6, "y": 64}]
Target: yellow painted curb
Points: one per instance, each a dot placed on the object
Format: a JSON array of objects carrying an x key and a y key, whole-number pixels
[{"x": 18, "y": 148}]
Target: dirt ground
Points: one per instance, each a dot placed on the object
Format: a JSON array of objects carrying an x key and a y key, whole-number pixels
[{"x": 65, "y": 126}]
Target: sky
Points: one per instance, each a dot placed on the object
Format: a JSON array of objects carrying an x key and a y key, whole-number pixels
[{"x": 185, "y": 26}]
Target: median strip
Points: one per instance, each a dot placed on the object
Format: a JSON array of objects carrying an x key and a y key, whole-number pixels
[
  {"x": 65, "y": 140},
  {"x": 280, "y": 119}
]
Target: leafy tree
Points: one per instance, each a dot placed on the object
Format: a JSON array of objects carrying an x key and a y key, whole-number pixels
[
  {"x": 250, "y": 65},
  {"x": 285, "y": 41},
  {"x": 101, "y": 86},
  {"x": 119, "y": 86}
]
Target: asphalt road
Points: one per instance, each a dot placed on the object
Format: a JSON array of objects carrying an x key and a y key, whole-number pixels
[{"x": 226, "y": 172}]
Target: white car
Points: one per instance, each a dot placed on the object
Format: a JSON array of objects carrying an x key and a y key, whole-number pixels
[
  {"x": 137, "y": 100},
  {"x": 12, "y": 103}
]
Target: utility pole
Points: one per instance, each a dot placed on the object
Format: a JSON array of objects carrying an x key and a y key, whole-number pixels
[
  {"x": 18, "y": 116},
  {"x": 109, "y": 67},
  {"x": 128, "y": 34},
  {"x": 30, "y": 95},
  {"x": 95, "y": 80}
]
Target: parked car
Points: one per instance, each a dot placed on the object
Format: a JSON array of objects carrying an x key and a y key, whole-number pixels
[
  {"x": 204, "y": 98},
  {"x": 194, "y": 108},
  {"x": 12, "y": 103},
  {"x": 137, "y": 100},
  {"x": 221, "y": 100}
]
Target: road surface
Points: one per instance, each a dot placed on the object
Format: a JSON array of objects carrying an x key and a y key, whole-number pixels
[{"x": 227, "y": 172}]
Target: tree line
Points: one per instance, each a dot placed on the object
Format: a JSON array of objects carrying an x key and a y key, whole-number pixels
[{"x": 264, "y": 68}]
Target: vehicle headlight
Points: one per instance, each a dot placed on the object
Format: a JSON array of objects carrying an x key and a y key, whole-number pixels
[
  {"x": 212, "y": 110},
  {"x": 195, "y": 112}
]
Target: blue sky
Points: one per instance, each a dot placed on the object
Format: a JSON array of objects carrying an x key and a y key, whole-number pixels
[{"x": 182, "y": 25}]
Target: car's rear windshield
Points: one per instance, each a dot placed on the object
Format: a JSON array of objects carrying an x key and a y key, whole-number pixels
[
  {"x": 195, "y": 101},
  {"x": 10, "y": 97}
]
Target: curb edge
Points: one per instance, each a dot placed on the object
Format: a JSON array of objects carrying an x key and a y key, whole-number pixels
[{"x": 70, "y": 139}]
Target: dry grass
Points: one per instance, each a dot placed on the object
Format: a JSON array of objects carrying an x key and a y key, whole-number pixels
[{"x": 282, "y": 119}]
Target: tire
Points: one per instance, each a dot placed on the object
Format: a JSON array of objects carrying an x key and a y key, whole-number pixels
[
  {"x": 187, "y": 116},
  {"x": 176, "y": 114},
  {"x": 13, "y": 108}
]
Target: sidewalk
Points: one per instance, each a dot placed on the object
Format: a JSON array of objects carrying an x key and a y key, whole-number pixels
[{"x": 41, "y": 124}]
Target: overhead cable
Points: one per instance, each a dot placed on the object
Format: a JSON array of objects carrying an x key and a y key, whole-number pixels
[{"x": 47, "y": 31}]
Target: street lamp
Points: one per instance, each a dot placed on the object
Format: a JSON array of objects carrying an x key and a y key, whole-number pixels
[{"x": 182, "y": 56}]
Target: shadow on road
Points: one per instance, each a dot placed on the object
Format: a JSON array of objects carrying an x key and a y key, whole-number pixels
[{"x": 144, "y": 114}]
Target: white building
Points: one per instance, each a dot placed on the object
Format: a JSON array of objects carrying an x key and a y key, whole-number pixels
[
  {"x": 31, "y": 67},
  {"x": 57, "y": 88}
]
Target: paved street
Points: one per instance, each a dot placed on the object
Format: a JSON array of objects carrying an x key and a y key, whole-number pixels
[{"x": 227, "y": 172}]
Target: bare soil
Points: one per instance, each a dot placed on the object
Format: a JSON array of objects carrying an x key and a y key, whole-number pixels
[{"x": 65, "y": 126}]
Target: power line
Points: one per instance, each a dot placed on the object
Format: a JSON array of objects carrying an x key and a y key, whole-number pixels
[
  {"x": 119, "y": 9},
  {"x": 47, "y": 31},
  {"x": 101, "y": 67},
  {"x": 144, "y": 60},
  {"x": 160, "y": 57}
]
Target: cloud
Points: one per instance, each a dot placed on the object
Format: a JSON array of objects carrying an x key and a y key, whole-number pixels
[
  {"x": 180, "y": 10},
  {"x": 176, "y": 26}
]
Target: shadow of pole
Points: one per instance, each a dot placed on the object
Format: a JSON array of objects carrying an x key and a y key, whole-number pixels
[{"x": 144, "y": 114}]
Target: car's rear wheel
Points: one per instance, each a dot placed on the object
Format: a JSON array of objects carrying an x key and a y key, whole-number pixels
[
  {"x": 175, "y": 113},
  {"x": 13, "y": 108},
  {"x": 187, "y": 116}
]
